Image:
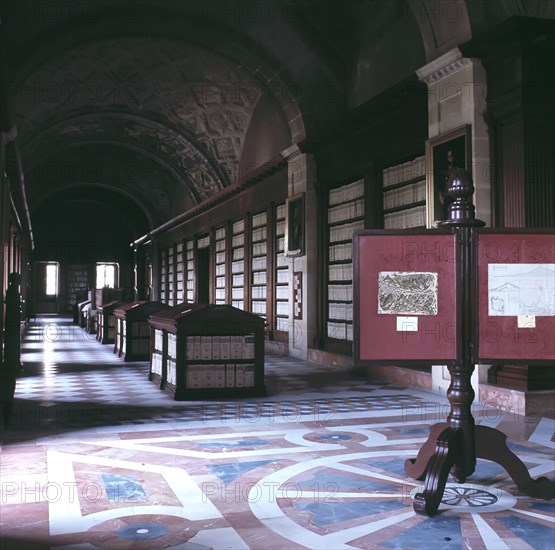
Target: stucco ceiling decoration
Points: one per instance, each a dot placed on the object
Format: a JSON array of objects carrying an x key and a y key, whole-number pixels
[
  {"x": 175, "y": 153},
  {"x": 201, "y": 101}
]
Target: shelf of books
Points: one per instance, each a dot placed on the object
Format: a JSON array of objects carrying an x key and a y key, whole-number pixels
[
  {"x": 179, "y": 272},
  {"x": 219, "y": 271},
  {"x": 404, "y": 194},
  {"x": 281, "y": 273},
  {"x": 190, "y": 270},
  {"x": 163, "y": 276},
  {"x": 171, "y": 296},
  {"x": 238, "y": 265},
  {"x": 345, "y": 215},
  {"x": 259, "y": 231},
  {"x": 207, "y": 351}
]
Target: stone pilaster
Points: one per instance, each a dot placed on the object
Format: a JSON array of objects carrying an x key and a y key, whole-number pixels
[
  {"x": 301, "y": 168},
  {"x": 457, "y": 91}
]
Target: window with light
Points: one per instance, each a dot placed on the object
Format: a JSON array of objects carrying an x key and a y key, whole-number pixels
[
  {"x": 51, "y": 279},
  {"x": 106, "y": 275}
]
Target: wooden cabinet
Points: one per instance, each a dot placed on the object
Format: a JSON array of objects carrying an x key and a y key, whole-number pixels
[
  {"x": 101, "y": 296},
  {"x": 81, "y": 312},
  {"x": 207, "y": 351},
  {"x": 132, "y": 338},
  {"x": 106, "y": 321}
]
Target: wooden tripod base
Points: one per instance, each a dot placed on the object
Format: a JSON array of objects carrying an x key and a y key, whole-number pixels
[{"x": 441, "y": 453}]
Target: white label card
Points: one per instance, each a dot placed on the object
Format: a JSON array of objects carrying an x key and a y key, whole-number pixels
[
  {"x": 407, "y": 324},
  {"x": 526, "y": 321}
]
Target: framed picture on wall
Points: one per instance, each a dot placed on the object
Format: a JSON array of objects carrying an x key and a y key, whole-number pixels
[
  {"x": 294, "y": 226},
  {"x": 443, "y": 153}
]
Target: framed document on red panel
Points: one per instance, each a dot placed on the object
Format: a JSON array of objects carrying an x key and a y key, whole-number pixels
[
  {"x": 516, "y": 296},
  {"x": 406, "y": 306}
]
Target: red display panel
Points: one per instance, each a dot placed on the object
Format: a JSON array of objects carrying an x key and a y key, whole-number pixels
[
  {"x": 516, "y": 296},
  {"x": 396, "y": 274}
]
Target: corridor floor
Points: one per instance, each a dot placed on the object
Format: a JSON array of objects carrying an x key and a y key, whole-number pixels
[{"x": 96, "y": 456}]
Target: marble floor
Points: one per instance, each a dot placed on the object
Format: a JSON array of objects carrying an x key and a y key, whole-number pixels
[{"x": 96, "y": 456}]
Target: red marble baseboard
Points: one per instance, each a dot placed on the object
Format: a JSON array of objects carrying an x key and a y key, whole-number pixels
[
  {"x": 403, "y": 376},
  {"x": 276, "y": 348},
  {"x": 525, "y": 403},
  {"x": 398, "y": 375},
  {"x": 329, "y": 359}
]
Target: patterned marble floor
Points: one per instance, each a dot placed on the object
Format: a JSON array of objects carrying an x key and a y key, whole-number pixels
[{"x": 98, "y": 457}]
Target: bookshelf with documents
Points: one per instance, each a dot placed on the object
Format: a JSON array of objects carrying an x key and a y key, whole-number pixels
[
  {"x": 189, "y": 271},
  {"x": 258, "y": 259},
  {"x": 179, "y": 273},
  {"x": 238, "y": 264},
  {"x": 404, "y": 194},
  {"x": 207, "y": 351},
  {"x": 171, "y": 272},
  {"x": 219, "y": 266},
  {"x": 282, "y": 291},
  {"x": 106, "y": 321},
  {"x": 132, "y": 340},
  {"x": 163, "y": 275},
  {"x": 345, "y": 215}
]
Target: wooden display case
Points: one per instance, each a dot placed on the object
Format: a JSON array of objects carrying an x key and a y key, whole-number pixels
[
  {"x": 132, "y": 339},
  {"x": 81, "y": 320},
  {"x": 106, "y": 321},
  {"x": 101, "y": 296},
  {"x": 207, "y": 351}
]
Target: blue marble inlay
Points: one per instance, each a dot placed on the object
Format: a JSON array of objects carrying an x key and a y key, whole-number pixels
[
  {"x": 543, "y": 506},
  {"x": 413, "y": 431},
  {"x": 440, "y": 532},
  {"x": 340, "y": 437},
  {"x": 122, "y": 488},
  {"x": 329, "y": 480},
  {"x": 142, "y": 531},
  {"x": 486, "y": 470},
  {"x": 230, "y": 471},
  {"x": 394, "y": 466},
  {"x": 538, "y": 536},
  {"x": 325, "y": 513},
  {"x": 516, "y": 448},
  {"x": 227, "y": 444}
]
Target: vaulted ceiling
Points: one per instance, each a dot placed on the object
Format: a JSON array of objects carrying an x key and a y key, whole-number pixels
[{"x": 157, "y": 99}]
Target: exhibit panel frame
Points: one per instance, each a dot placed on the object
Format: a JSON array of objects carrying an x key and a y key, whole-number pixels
[
  {"x": 407, "y": 309},
  {"x": 515, "y": 295}
]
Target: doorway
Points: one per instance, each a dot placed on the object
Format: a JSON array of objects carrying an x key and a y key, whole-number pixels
[{"x": 47, "y": 287}]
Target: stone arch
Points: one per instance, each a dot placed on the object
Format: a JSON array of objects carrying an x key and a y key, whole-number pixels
[{"x": 443, "y": 25}]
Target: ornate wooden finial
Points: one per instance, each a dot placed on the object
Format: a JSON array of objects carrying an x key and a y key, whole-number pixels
[{"x": 461, "y": 211}]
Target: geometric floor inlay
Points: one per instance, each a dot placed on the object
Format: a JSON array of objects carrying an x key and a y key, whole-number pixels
[{"x": 98, "y": 457}]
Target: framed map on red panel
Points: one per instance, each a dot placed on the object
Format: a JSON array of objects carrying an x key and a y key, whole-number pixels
[
  {"x": 516, "y": 296},
  {"x": 406, "y": 306}
]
